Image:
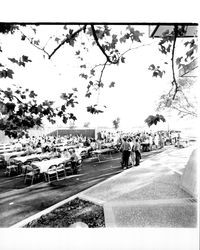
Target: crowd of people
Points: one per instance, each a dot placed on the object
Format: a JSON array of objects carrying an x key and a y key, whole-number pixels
[{"x": 131, "y": 144}]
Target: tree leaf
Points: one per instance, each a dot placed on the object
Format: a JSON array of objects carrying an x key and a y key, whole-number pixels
[
  {"x": 84, "y": 75},
  {"x": 83, "y": 66},
  {"x": 112, "y": 84},
  {"x": 10, "y": 73},
  {"x": 178, "y": 60},
  {"x": 25, "y": 59},
  {"x": 92, "y": 72},
  {"x": 152, "y": 67},
  {"x": 57, "y": 39},
  {"x": 36, "y": 42},
  {"x": 123, "y": 59},
  {"x": 88, "y": 94}
]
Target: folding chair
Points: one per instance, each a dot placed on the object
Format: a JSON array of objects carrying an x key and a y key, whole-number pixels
[
  {"x": 2, "y": 163},
  {"x": 79, "y": 164},
  {"x": 76, "y": 166},
  {"x": 11, "y": 169},
  {"x": 61, "y": 171},
  {"x": 51, "y": 173},
  {"x": 68, "y": 167},
  {"x": 33, "y": 173}
]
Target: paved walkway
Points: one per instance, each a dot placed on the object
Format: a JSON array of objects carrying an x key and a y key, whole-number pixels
[{"x": 148, "y": 195}]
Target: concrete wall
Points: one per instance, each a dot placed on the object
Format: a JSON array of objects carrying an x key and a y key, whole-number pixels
[{"x": 189, "y": 178}]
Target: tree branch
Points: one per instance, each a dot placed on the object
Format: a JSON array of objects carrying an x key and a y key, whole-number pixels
[
  {"x": 100, "y": 47},
  {"x": 172, "y": 59},
  {"x": 100, "y": 77},
  {"x": 147, "y": 44},
  {"x": 67, "y": 40},
  {"x": 101, "y": 64},
  {"x": 103, "y": 68},
  {"x": 31, "y": 42},
  {"x": 185, "y": 112}
]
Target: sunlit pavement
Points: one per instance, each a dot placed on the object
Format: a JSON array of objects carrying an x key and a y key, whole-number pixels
[
  {"x": 149, "y": 195},
  {"x": 155, "y": 181}
]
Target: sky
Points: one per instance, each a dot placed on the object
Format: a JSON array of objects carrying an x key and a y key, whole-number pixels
[{"x": 133, "y": 98}]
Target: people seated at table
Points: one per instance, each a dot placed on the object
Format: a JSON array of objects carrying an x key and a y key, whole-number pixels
[
  {"x": 74, "y": 155},
  {"x": 66, "y": 154},
  {"x": 29, "y": 149},
  {"x": 54, "y": 153},
  {"x": 39, "y": 150},
  {"x": 18, "y": 146},
  {"x": 93, "y": 144},
  {"x": 87, "y": 143}
]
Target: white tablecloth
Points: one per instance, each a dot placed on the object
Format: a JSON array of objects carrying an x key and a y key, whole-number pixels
[
  {"x": 29, "y": 157},
  {"x": 44, "y": 165},
  {"x": 8, "y": 155},
  {"x": 101, "y": 151}
]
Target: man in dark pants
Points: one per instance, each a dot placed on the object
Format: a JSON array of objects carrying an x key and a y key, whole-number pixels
[
  {"x": 125, "y": 147},
  {"x": 137, "y": 152}
]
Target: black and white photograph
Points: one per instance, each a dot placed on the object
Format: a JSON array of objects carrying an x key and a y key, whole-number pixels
[{"x": 98, "y": 127}]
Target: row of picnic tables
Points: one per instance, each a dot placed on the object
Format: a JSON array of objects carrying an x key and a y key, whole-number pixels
[
  {"x": 19, "y": 157},
  {"x": 14, "y": 154}
]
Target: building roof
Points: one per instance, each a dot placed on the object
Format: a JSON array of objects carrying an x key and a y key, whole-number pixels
[{"x": 156, "y": 31}]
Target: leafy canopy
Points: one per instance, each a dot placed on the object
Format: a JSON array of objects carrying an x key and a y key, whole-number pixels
[{"x": 20, "y": 109}]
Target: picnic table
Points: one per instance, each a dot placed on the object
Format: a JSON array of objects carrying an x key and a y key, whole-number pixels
[
  {"x": 80, "y": 150},
  {"x": 99, "y": 152},
  {"x": 107, "y": 145},
  {"x": 8, "y": 155},
  {"x": 62, "y": 148},
  {"x": 44, "y": 165},
  {"x": 23, "y": 159}
]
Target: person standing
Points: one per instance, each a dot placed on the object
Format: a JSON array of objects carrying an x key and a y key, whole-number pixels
[
  {"x": 131, "y": 158},
  {"x": 156, "y": 140},
  {"x": 125, "y": 147},
  {"x": 137, "y": 152},
  {"x": 74, "y": 159}
]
